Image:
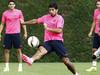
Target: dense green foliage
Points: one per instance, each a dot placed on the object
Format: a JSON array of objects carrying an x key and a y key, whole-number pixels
[{"x": 78, "y": 19}]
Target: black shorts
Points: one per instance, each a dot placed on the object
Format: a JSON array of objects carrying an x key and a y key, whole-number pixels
[
  {"x": 12, "y": 40},
  {"x": 56, "y": 46},
  {"x": 96, "y": 41}
]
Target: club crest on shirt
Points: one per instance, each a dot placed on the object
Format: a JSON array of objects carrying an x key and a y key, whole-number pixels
[{"x": 54, "y": 20}]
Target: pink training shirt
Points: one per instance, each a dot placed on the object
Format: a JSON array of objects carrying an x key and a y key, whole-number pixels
[
  {"x": 12, "y": 20},
  {"x": 96, "y": 19},
  {"x": 52, "y": 22}
]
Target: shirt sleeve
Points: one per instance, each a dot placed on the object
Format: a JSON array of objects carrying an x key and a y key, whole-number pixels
[
  {"x": 60, "y": 23},
  {"x": 3, "y": 18},
  {"x": 21, "y": 15},
  {"x": 40, "y": 20}
]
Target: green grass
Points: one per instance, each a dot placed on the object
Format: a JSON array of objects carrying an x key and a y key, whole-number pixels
[{"x": 48, "y": 69}]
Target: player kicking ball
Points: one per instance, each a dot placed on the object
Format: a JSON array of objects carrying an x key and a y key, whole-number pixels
[{"x": 53, "y": 38}]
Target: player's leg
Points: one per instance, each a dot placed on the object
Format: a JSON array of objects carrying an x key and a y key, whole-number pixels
[
  {"x": 69, "y": 65},
  {"x": 95, "y": 47},
  {"x": 62, "y": 52},
  {"x": 94, "y": 64},
  {"x": 95, "y": 57},
  {"x": 17, "y": 45},
  {"x": 96, "y": 54},
  {"x": 42, "y": 50},
  {"x": 6, "y": 56},
  {"x": 19, "y": 53},
  {"x": 7, "y": 46}
]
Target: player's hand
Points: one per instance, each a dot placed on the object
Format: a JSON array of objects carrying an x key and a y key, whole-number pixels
[
  {"x": 45, "y": 26},
  {"x": 23, "y": 23},
  {"x": 90, "y": 34},
  {"x": 25, "y": 36}
]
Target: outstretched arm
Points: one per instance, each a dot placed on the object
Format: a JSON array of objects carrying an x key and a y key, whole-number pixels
[
  {"x": 33, "y": 21},
  {"x": 55, "y": 30}
]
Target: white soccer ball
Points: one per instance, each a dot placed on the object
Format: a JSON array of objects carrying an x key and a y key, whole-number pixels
[{"x": 33, "y": 41}]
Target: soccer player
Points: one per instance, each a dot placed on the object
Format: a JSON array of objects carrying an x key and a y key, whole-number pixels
[
  {"x": 12, "y": 18},
  {"x": 96, "y": 28},
  {"x": 53, "y": 38}
]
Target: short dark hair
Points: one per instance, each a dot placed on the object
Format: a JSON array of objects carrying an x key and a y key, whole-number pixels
[
  {"x": 53, "y": 5},
  {"x": 11, "y": 1}
]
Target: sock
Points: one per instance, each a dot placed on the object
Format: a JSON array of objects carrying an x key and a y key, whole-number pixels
[
  {"x": 32, "y": 59},
  {"x": 20, "y": 64},
  {"x": 94, "y": 63},
  {"x": 7, "y": 65},
  {"x": 76, "y": 73}
]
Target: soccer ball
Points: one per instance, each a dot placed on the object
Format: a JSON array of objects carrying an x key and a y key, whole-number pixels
[{"x": 33, "y": 41}]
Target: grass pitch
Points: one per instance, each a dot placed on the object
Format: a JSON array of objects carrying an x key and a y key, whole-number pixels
[{"x": 48, "y": 69}]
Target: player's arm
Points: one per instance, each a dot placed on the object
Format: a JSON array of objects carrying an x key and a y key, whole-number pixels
[
  {"x": 54, "y": 30},
  {"x": 92, "y": 29},
  {"x": 24, "y": 28},
  {"x": 33, "y": 21},
  {"x": 1, "y": 28}
]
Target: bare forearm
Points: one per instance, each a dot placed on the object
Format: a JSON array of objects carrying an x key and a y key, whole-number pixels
[
  {"x": 30, "y": 22},
  {"x": 24, "y": 28},
  {"x": 93, "y": 26},
  {"x": 55, "y": 30},
  {"x": 1, "y": 27}
]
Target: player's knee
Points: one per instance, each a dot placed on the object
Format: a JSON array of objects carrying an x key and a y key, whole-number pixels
[
  {"x": 19, "y": 51},
  {"x": 42, "y": 50},
  {"x": 94, "y": 49},
  {"x": 65, "y": 59},
  {"x": 94, "y": 57},
  {"x": 6, "y": 51}
]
